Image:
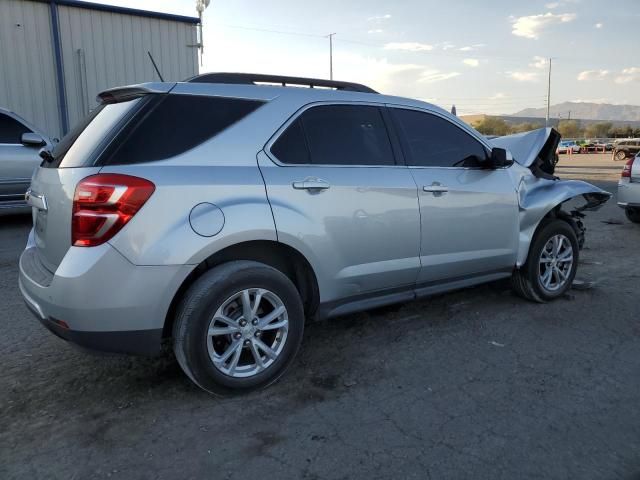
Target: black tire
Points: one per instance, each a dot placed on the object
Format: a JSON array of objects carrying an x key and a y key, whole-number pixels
[
  {"x": 620, "y": 155},
  {"x": 633, "y": 214},
  {"x": 200, "y": 302},
  {"x": 526, "y": 280}
]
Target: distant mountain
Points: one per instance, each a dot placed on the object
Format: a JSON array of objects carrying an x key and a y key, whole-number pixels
[{"x": 586, "y": 111}]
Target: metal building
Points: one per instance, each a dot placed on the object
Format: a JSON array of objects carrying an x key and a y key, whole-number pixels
[{"x": 56, "y": 55}]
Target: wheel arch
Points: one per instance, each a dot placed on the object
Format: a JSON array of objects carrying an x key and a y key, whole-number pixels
[
  {"x": 544, "y": 199},
  {"x": 278, "y": 255}
]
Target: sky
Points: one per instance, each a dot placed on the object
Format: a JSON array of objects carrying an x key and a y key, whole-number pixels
[{"x": 488, "y": 56}]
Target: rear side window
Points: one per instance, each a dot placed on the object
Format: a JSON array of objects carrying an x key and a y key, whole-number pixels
[
  {"x": 291, "y": 147},
  {"x": 432, "y": 141},
  {"x": 173, "y": 124},
  {"x": 11, "y": 130},
  {"x": 336, "y": 135}
]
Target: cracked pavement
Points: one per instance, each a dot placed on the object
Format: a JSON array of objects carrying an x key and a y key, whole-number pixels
[{"x": 473, "y": 384}]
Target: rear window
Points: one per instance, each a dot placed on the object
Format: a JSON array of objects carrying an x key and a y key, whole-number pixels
[
  {"x": 174, "y": 124},
  {"x": 77, "y": 147}
]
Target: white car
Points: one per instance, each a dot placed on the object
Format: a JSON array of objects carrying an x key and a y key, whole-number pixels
[
  {"x": 629, "y": 189},
  {"x": 567, "y": 146}
]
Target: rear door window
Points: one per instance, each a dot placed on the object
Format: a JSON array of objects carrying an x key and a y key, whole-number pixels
[
  {"x": 336, "y": 135},
  {"x": 174, "y": 124},
  {"x": 11, "y": 130}
]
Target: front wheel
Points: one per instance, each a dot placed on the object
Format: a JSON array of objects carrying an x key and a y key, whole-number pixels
[
  {"x": 633, "y": 214},
  {"x": 238, "y": 327},
  {"x": 551, "y": 265}
]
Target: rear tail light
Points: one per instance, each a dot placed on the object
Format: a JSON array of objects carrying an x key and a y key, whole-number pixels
[
  {"x": 103, "y": 204},
  {"x": 626, "y": 171}
]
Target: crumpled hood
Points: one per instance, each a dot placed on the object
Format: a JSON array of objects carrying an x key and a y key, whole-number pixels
[{"x": 526, "y": 147}]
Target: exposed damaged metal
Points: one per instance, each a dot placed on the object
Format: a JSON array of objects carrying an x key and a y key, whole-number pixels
[{"x": 540, "y": 192}]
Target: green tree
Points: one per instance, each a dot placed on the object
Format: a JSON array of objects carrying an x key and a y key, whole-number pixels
[
  {"x": 598, "y": 130},
  {"x": 569, "y": 129},
  {"x": 621, "y": 132},
  {"x": 525, "y": 127},
  {"x": 492, "y": 126}
]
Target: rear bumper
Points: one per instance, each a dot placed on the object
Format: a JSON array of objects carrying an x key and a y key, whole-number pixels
[
  {"x": 99, "y": 300},
  {"x": 628, "y": 194},
  {"x": 136, "y": 342}
]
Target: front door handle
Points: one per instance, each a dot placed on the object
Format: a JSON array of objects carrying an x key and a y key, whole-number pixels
[
  {"x": 311, "y": 184},
  {"x": 435, "y": 188}
]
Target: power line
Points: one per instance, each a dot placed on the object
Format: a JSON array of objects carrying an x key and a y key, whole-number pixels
[{"x": 452, "y": 54}]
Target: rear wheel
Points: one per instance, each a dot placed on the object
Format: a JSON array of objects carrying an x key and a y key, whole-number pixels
[
  {"x": 633, "y": 214},
  {"x": 551, "y": 265},
  {"x": 620, "y": 155},
  {"x": 238, "y": 327}
]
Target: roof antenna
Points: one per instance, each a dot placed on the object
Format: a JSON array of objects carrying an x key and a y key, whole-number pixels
[
  {"x": 155, "y": 66},
  {"x": 453, "y": 110}
]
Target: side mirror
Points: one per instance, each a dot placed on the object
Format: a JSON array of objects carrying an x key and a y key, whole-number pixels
[
  {"x": 498, "y": 158},
  {"x": 32, "y": 140}
]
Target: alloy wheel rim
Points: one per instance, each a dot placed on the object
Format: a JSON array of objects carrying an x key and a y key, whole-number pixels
[
  {"x": 248, "y": 332},
  {"x": 555, "y": 263}
]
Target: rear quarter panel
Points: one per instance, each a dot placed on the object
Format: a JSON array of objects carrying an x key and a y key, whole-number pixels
[{"x": 161, "y": 233}]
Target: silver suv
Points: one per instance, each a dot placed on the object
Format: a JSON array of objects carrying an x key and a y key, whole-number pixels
[{"x": 223, "y": 211}]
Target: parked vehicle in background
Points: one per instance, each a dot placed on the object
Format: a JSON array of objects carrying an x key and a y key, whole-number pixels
[
  {"x": 20, "y": 143},
  {"x": 223, "y": 212},
  {"x": 567, "y": 146},
  {"x": 603, "y": 144},
  {"x": 623, "y": 149},
  {"x": 629, "y": 189}
]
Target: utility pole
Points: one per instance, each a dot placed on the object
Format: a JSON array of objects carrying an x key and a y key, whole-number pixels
[
  {"x": 569, "y": 115},
  {"x": 331, "y": 55},
  {"x": 548, "y": 95}
]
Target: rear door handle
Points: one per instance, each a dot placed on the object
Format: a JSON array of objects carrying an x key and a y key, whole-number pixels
[
  {"x": 311, "y": 184},
  {"x": 435, "y": 188},
  {"x": 35, "y": 200}
]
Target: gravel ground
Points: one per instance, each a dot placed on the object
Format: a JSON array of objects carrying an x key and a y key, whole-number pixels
[{"x": 473, "y": 384}]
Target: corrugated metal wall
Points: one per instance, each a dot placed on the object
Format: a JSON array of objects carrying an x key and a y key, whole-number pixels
[
  {"x": 104, "y": 49},
  {"x": 27, "y": 68},
  {"x": 99, "y": 50}
]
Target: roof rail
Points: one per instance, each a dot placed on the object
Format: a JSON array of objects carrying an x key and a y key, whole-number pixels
[{"x": 256, "y": 78}]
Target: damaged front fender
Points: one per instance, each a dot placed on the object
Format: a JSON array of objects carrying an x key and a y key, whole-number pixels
[{"x": 537, "y": 197}]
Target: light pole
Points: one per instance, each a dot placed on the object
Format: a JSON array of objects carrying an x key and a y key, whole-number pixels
[
  {"x": 201, "y": 5},
  {"x": 331, "y": 55},
  {"x": 548, "y": 95}
]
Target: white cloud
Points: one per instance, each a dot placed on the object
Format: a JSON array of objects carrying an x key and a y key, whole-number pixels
[
  {"x": 524, "y": 76},
  {"x": 409, "y": 46},
  {"x": 592, "y": 75},
  {"x": 598, "y": 25},
  {"x": 471, "y": 62},
  {"x": 539, "y": 62},
  {"x": 375, "y": 30},
  {"x": 379, "y": 18},
  {"x": 430, "y": 76},
  {"x": 470, "y": 48},
  {"x": 531, "y": 26},
  {"x": 552, "y": 5},
  {"x": 631, "y": 74},
  {"x": 497, "y": 96}
]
